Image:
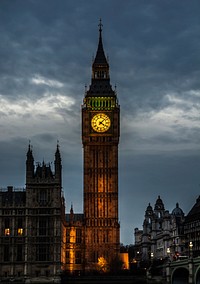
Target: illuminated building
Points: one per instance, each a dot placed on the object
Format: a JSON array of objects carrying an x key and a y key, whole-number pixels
[
  {"x": 100, "y": 137},
  {"x": 93, "y": 237}
]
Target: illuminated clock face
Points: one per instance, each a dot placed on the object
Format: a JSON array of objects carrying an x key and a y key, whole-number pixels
[{"x": 100, "y": 122}]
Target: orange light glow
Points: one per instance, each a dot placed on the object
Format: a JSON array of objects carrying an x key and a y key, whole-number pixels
[
  {"x": 124, "y": 259},
  {"x": 102, "y": 263},
  {"x": 7, "y": 232},
  {"x": 71, "y": 249},
  {"x": 20, "y": 231}
]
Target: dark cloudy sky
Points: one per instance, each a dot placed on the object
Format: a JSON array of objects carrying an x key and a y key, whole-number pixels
[{"x": 46, "y": 50}]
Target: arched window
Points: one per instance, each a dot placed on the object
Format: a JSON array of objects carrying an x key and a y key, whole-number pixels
[{"x": 43, "y": 196}]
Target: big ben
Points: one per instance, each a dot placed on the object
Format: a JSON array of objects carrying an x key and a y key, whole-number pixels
[{"x": 100, "y": 137}]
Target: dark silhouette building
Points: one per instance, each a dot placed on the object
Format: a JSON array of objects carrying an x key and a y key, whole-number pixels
[
  {"x": 192, "y": 230},
  {"x": 32, "y": 225}
]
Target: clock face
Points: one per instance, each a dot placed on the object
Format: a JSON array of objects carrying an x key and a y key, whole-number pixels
[{"x": 100, "y": 122}]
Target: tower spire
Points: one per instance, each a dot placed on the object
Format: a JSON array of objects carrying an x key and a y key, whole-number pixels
[
  {"x": 100, "y": 27},
  {"x": 100, "y": 67},
  {"x": 57, "y": 163},
  {"x": 29, "y": 163}
]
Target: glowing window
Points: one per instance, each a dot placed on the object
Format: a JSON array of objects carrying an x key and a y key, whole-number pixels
[
  {"x": 7, "y": 232},
  {"x": 20, "y": 231}
]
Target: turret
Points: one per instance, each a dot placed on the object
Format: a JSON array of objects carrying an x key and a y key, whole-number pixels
[
  {"x": 159, "y": 210},
  {"x": 71, "y": 216},
  {"x": 58, "y": 166},
  {"x": 159, "y": 207},
  {"x": 29, "y": 164},
  {"x": 149, "y": 212}
]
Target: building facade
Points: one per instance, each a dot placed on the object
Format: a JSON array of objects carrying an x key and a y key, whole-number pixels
[
  {"x": 32, "y": 225},
  {"x": 192, "y": 230},
  {"x": 162, "y": 236},
  {"x": 75, "y": 243},
  {"x": 37, "y": 239}
]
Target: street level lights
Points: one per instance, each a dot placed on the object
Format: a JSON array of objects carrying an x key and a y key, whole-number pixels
[
  {"x": 152, "y": 257},
  {"x": 190, "y": 249},
  {"x": 168, "y": 253}
]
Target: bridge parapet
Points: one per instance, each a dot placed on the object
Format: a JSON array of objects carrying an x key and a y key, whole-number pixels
[{"x": 189, "y": 268}]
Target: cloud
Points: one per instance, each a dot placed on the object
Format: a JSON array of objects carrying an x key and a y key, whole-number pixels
[
  {"x": 174, "y": 126},
  {"x": 24, "y": 117},
  {"x": 39, "y": 80}
]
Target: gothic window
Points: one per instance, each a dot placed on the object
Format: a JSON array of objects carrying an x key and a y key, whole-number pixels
[
  {"x": 43, "y": 197},
  {"x": 19, "y": 226},
  {"x": 7, "y": 223},
  {"x": 19, "y": 253},
  {"x": 6, "y": 253},
  {"x": 7, "y": 232},
  {"x": 37, "y": 273},
  {"x": 19, "y": 273},
  {"x": 95, "y": 256},
  {"x": 68, "y": 236},
  {"x": 7, "y": 227},
  {"x": 67, "y": 256},
  {"x": 106, "y": 254},
  {"x": 78, "y": 236},
  {"x": 78, "y": 257},
  {"x": 43, "y": 252},
  {"x": 42, "y": 227},
  {"x": 20, "y": 231}
]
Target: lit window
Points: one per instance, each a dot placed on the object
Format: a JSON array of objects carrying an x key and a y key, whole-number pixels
[
  {"x": 7, "y": 232},
  {"x": 20, "y": 231}
]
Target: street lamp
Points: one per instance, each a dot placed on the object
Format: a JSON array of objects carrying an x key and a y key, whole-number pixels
[
  {"x": 168, "y": 253},
  {"x": 190, "y": 248},
  {"x": 151, "y": 256}
]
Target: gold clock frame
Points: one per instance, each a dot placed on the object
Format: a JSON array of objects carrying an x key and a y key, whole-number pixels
[{"x": 100, "y": 122}]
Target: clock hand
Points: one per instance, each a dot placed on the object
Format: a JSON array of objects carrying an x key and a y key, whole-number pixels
[{"x": 101, "y": 122}]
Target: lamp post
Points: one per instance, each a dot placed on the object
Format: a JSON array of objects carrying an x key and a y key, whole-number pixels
[
  {"x": 168, "y": 254},
  {"x": 190, "y": 249},
  {"x": 152, "y": 257},
  {"x": 138, "y": 259}
]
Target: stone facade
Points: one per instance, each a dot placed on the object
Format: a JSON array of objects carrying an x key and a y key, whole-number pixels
[
  {"x": 162, "y": 235},
  {"x": 32, "y": 223},
  {"x": 192, "y": 230},
  {"x": 75, "y": 244}
]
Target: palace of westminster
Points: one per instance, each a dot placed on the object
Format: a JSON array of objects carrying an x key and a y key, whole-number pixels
[{"x": 38, "y": 239}]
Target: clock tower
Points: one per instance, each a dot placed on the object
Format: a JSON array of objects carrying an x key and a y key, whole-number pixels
[{"x": 100, "y": 138}]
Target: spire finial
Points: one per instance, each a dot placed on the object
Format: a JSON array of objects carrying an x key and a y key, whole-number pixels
[
  {"x": 29, "y": 145},
  {"x": 100, "y": 26},
  {"x": 71, "y": 210},
  {"x": 58, "y": 145}
]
